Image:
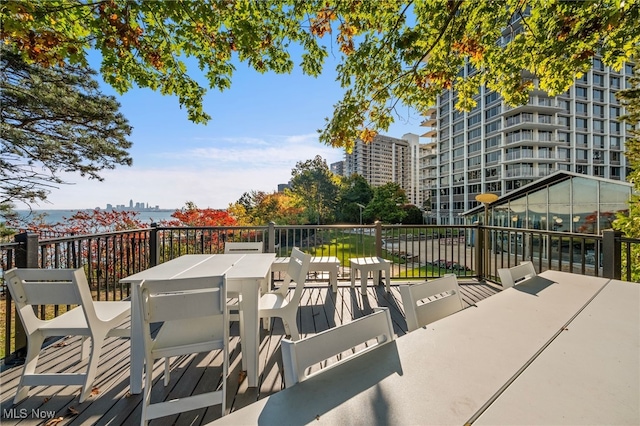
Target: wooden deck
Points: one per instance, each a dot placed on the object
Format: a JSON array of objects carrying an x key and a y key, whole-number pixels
[{"x": 113, "y": 405}]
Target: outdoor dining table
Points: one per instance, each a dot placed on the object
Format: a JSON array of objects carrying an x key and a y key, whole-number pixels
[
  {"x": 245, "y": 273},
  {"x": 450, "y": 371}
]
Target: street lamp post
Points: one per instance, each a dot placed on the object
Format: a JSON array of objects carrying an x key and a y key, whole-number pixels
[
  {"x": 360, "y": 206},
  {"x": 485, "y": 199}
]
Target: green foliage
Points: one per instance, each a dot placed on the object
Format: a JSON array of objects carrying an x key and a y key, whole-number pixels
[
  {"x": 387, "y": 204},
  {"x": 414, "y": 215},
  {"x": 629, "y": 222},
  {"x": 317, "y": 189},
  {"x": 54, "y": 120},
  {"x": 393, "y": 52},
  {"x": 354, "y": 190},
  {"x": 260, "y": 208}
]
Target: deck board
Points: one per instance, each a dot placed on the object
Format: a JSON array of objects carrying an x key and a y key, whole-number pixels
[{"x": 320, "y": 310}]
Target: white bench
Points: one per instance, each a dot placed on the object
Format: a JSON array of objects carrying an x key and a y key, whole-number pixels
[
  {"x": 329, "y": 264},
  {"x": 370, "y": 264}
]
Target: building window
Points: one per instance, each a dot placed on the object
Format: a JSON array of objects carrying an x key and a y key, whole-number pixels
[
  {"x": 598, "y": 65},
  {"x": 614, "y": 82},
  {"x": 494, "y": 186},
  {"x": 628, "y": 69},
  {"x": 474, "y": 147},
  {"x": 581, "y": 108},
  {"x": 474, "y": 119},
  {"x": 493, "y": 111},
  {"x": 582, "y": 169},
  {"x": 564, "y": 137},
  {"x": 598, "y": 80},
  {"x": 493, "y": 157},
  {"x": 493, "y": 141},
  {"x": 598, "y": 110},
  {"x": 614, "y": 142},
  {"x": 615, "y": 173},
  {"x": 491, "y": 97},
  {"x": 581, "y": 124},
  {"x": 614, "y": 127},
  {"x": 598, "y": 141},
  {"x": 598, "y": 171},
  {"x": 474, "y": 174},
  {"x": 614, "y": 112},
  {"x": 474, "y": 161},
  {"x": 598, "y": 126},
  {"x": 475, "y": 133},
  {"x": 598, "y": 95},
  {"x": 581, "y": 92}
]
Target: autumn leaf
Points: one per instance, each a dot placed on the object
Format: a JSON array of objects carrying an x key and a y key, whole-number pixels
[
  {"x": 73, "y": 411},
  {"x": 242, "y": 376},
  {"x": 54, "y": 422}
]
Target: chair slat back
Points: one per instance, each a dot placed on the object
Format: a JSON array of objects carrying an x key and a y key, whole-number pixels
[
  {"x": 244, "y": 247},
  {"x": 297, "y": 271},
  {"x": 512, "y": 276},
  {"x": 179, "y": 299},
  {"x": 419, "y": 314},
  {"x": 298, "y": 356},
  {"x": 43, "y": 287}
]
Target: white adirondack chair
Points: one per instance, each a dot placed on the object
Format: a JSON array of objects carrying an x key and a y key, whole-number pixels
[
  {"x": 298, "y": 356},
  {"x": 419, "y": 311},
  {"x": 94, "y": 321}
]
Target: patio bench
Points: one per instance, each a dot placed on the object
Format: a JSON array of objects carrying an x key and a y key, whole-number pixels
[{"x": 376, "y": 265}]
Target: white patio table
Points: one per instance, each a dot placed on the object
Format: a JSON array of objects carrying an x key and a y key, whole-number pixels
[
  {"x": 443, "y": 373},
  {"x": 590, "y": 374},
  {"x": 245, "y": 273}
]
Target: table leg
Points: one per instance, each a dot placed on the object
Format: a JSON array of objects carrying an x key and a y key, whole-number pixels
[
  {"x": 136, "y": 364},
  {"x": 251, "y": 334},
  {"x": 387, "y": 273},
  {"x": 333, "y": 277}
]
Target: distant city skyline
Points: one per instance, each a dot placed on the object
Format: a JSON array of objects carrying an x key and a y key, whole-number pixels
[{"x": 133, "y": 206}]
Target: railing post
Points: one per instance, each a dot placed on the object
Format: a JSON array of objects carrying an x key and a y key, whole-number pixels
[
  {"x": 27, "y": 253},
  {"x": 481, "y": 253},
  {"x": 378, "y": 238},
  {"x": 272, "y": 237},
  {"x": 154, "y": 246},
  {"x": 612, "y": 262},
  {"x": 26, "y": 257}
]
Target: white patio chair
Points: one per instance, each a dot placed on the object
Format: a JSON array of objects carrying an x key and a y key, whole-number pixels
[
  {"x": 275, "y": 303},
  {"x": 516, "y": 274},
  {"x": 244, "y": 247},
  {"x": 299, "y": 356},
  {"x": 89, "y": 319},
  {"x": 420, "y": 312},
  {"x": 240, "y": 247},
  {"x": 194, "y": 320}
]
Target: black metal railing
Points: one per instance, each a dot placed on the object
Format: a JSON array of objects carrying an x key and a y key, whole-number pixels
[{"x": 416, "y": 252}]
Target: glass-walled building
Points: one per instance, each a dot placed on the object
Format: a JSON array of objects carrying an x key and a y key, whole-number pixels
[{"x": 563, "y": 201}]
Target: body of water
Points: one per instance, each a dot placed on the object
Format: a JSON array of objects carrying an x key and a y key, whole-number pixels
[{"x": 56, "y": 216}]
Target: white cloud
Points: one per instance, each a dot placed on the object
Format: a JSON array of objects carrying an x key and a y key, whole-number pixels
[{"x": 210, "y": 177}]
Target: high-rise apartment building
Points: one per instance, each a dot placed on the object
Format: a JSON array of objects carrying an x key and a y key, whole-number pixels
[
  {"x": 388, "y": 159},
  {"x": 337, "y": 168},
  {"x": 497, "y": 148}
]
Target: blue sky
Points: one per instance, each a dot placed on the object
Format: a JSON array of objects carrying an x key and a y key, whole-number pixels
[{"x": 260, "y": 128}]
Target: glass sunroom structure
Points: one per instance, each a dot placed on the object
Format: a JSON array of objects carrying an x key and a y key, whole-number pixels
[{"x": 562, "y": 201}]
